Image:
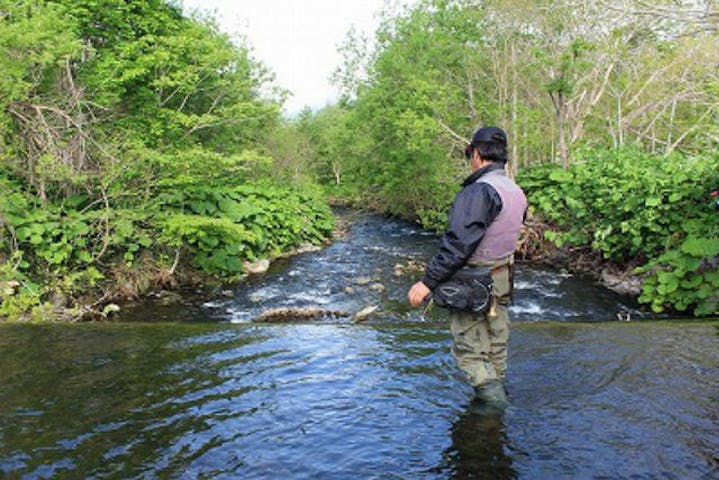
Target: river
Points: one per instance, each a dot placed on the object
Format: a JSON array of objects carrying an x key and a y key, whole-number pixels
[{"x": 194, "y": 389}]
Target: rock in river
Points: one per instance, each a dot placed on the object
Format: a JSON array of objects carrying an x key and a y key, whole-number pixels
[
  {"x": 260, "y": 266},
  {"x": 365, "y": 313}
]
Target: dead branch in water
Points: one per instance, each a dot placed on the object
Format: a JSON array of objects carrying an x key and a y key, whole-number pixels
[{"x": 297, "y": 313}]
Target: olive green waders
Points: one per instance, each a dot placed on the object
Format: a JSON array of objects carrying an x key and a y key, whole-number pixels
[{"x": 480, "y": 341}]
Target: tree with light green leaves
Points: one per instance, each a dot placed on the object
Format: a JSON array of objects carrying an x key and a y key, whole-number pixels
[
  {"x": 578, "y": 84},
  {"x": 133, "y": 154}
]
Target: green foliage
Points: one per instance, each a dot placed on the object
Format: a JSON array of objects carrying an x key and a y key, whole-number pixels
[
  {"x": 133, "y": 142},
  {"x": 685, "y": 278},
  {"x": 392, "y": 152},
  {"x": 36, "y": 39},
  {"x": 628, "y": 205},
  {"x": 24, "y": 299},
  {"x": 217, "y": 242},
  {"x": 556, "y": 79},
  {"x": 103, "y": 94},
  {"x": 625, "y": 203},
  {"x": 74, "y": 251},
  {"x": 224, "y": 226}
]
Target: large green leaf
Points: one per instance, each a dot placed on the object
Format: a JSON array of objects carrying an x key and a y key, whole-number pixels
[{"x": 701, "y": 246}]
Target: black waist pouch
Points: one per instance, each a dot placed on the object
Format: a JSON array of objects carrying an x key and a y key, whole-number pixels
[{"x": 469, "y": 290}]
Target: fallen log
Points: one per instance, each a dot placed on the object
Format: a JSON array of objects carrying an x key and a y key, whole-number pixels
[{"x": 285, "y": 314}]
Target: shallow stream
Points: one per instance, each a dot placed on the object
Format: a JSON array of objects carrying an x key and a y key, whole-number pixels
[{"x": 193, "y": 389}]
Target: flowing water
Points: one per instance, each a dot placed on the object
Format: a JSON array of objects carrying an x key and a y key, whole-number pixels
[{"x": 193, "y": 389}]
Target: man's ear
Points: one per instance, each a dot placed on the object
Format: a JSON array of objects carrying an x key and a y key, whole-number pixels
[{"x": 476, "y": 159}]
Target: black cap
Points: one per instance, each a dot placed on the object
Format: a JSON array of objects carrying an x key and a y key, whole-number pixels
[{"x": 490, "y": 135}]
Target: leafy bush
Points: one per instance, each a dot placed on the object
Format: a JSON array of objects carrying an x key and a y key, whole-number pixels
[
  {"x": 222, "y": 226},
  {"x": 61, "y": 251},
  {"x": 124, "y": 131},
  {"x": 630, "y": 205},
  {"x": 684, "y": 277}
]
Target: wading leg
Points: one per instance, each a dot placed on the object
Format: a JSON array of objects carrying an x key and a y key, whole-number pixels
[
  {"x": 472, "y": 346},
  {"x": 499, "y": 336},
  {"x": 498, "y": 318}
]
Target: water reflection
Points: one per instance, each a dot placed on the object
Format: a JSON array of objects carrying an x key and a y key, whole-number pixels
[
  {"x": 480, "y": 448},
  {"x": 354, "y": 401}
]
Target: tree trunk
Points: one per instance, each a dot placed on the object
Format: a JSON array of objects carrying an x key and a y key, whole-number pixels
[
  {"x": 512, "y": 171},
  {"x": 620, "y": 131},
  {"x": 336, "y": 172},
  {"x": 560, "y": 108}
]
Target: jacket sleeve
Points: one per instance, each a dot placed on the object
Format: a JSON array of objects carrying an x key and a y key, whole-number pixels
[{"x": 474, "y": 209}]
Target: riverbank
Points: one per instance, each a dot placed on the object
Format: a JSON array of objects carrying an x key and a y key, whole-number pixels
[
  {"x": 644, "y": 223},
  {"x": 641, "y": 223},
  {"x": 369, "y": 270},
  {"x": 71, "y": 264},
  {"x": 137, "y": 151},
  {"x": 534, "y": 248}
]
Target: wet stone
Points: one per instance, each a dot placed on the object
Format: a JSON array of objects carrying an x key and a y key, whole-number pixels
[
  {"x": 166, "y": 297},
  {"x": 260, "y": 266},
  {"x": 365, "y": 313}
]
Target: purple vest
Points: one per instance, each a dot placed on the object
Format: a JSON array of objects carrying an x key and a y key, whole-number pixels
[{"x": 501, "y": 237}]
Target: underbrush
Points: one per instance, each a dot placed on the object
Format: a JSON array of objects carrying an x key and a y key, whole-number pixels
[
  {"x": 69, "y": 259},
  {"x": 634, "y": 207}
]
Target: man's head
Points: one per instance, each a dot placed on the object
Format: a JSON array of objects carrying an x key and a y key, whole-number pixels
[{"x": 489, "y": 144}]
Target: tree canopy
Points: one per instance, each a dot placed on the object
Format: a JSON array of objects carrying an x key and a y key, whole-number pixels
[{"x": 134, "y": 144}]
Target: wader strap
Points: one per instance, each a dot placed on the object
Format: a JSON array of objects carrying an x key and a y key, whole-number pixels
[{"x": 498, "y": 270}]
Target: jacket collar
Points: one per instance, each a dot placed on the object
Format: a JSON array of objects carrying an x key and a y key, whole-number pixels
[{"x": 482, "y": 171}]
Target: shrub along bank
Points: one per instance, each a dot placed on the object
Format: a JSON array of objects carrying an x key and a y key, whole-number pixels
[
  {"x": 638, "y": 208},
  {"x": 70, "y": 259},
  {"x": 135, "y": 151}
]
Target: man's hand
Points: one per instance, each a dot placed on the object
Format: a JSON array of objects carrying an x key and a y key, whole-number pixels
[{"x": 418, "y": 293}]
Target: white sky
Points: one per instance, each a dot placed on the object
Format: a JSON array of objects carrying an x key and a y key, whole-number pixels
[{"x": 296, "y": 39}]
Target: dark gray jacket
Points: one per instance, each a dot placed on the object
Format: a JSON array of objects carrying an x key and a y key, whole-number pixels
[{"x": 475, "y": 207}]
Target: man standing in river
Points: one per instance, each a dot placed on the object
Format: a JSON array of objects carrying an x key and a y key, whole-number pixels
[{"x": 484, "y": 226}]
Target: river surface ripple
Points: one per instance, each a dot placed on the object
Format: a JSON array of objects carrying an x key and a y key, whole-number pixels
[
  {"x": 360, "y": 270},
  {"x": 338, "y": 400}
]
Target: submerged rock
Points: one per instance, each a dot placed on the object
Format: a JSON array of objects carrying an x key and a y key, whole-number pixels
[{"x": 411, "y": 266}]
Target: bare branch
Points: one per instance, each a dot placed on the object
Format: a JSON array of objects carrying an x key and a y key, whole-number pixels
[{"x": 454, "y": 134}]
